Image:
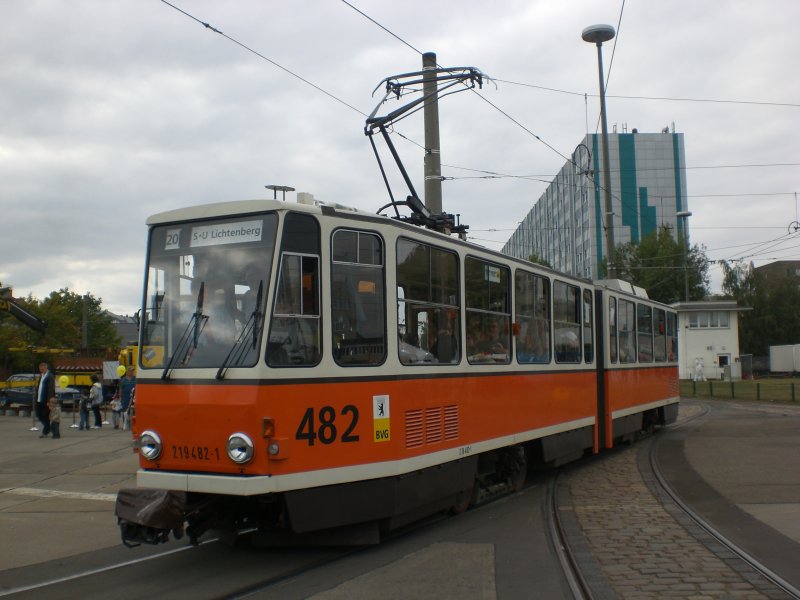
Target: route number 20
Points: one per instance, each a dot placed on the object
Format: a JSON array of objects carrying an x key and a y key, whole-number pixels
[{"x": 322, "y": 425}]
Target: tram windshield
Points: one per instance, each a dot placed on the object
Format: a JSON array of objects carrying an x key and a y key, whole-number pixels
[{"x": 206, "y": 293}]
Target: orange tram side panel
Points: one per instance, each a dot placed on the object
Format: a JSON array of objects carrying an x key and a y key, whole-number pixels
[
  {"x": 338, "y": 424},
  {"x": 627, "y": 390}
]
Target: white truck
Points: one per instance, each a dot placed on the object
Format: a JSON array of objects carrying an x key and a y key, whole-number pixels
[{"x": 784, "y": 359}]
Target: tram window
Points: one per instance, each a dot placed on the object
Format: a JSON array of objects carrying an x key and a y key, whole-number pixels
[
  {"x": 612, "y": 330},
  {"x": 659, "y": 335},
  {"x": 672, "y": 337},
  {"x": 427, "y": 304},
  {"x": 588, "y": 326},
  {"x": 358, "y": 307},
  {"x": 196, "y": 291},
  {"x": 567, "y": 322},
  {"x": 532, "y": 315},
  {"x": 626, "y": 329},
  {"x": 644, "y": 329},
  {"x": 294, "y": 333},
  {"x": 488, "y": 311}
]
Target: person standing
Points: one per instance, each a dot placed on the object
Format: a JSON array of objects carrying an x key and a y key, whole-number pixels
[
  {"x": 55, "y": 418},
  {"x": 45, "y": 390},
  {"x": 84, "y": 414},
  {"x": 126, "y": 387},
  {"x": 95, "y": 400}
]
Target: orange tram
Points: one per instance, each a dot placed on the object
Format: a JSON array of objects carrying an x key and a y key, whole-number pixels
[{"x": 310, "y": 368}]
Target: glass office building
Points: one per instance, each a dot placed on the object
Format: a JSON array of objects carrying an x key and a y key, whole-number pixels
[{"x": 648, "y": 189}]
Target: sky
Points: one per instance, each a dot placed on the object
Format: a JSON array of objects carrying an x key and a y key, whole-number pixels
[{"x": 114, "y": 110}]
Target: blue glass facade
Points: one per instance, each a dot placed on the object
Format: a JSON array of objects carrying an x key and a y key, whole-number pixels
[{"x": 648, "y": 188}]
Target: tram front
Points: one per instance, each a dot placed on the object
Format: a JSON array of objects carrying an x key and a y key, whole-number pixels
[{"x": 207, "y": 282}]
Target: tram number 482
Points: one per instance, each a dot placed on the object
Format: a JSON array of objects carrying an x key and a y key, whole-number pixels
[{"x": 322, "y": 425}]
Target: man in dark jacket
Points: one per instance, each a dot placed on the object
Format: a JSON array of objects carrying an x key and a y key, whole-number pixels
[{"x": 45, "y": 389}]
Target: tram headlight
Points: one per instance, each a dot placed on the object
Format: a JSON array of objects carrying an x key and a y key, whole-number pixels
[
  {"x": 150, "y": 445},
  {"x": 240, "y": 448}
]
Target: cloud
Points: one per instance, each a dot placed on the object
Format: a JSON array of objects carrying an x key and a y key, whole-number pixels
[{"x": 117, "y": 110}]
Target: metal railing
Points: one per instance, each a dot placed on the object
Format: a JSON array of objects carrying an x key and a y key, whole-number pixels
[{"x": 766, "y": 390}]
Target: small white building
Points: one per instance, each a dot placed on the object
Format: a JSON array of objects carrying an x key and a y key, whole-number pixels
[{"x": 708, "y": 338}]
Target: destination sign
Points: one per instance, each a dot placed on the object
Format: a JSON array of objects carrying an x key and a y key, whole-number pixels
[{"x": 226, "y": 233}]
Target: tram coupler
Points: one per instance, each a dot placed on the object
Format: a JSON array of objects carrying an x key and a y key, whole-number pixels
[{"x": 147, "y": 516}]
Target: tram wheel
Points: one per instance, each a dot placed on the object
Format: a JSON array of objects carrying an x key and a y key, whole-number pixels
[
  {"x": 466, "y": 498},
  {"x": 520, "y": 471}
]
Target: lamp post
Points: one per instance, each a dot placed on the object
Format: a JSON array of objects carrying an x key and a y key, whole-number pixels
[
  {"x": 685, "y": 214},
  {"x": 279, "y": 188},
  {"x": 597, "y": 34}
]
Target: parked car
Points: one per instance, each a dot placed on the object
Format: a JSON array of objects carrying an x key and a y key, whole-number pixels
[{"x": 67, "y": 397}]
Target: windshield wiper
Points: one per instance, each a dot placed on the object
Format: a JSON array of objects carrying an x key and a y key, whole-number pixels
[
  {"x": 240, "y": 349},
  {"x": 190, "y": 336}
]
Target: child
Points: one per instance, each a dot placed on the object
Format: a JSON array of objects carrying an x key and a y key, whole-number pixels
[
  {"x": 55, "y": 418},
  {"x": 116, "y": 411},
  {"x": 84, "y": 412}
]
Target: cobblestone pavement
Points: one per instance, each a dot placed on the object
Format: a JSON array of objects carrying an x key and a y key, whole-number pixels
[{"x": 635, "y": 544}]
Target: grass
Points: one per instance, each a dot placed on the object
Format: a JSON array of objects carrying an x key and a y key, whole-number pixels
[{"x": 771, "y": 390}]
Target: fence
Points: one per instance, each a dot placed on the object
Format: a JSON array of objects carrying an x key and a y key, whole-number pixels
[{"x": 779, "y": 390}]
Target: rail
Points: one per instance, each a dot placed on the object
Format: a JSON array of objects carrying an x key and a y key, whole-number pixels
[{"x": 706, "y": 525}]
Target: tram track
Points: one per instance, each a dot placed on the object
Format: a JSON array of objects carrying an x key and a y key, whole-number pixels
[
  {"x": 706, "y": 525},
  {"x": 237, "y": 570},
  {"x": 591, "y": 561},
  {"x": 210, "y": 569},
  {"x": 87, "y": 573},
  {"x": 580, "y": 588}
]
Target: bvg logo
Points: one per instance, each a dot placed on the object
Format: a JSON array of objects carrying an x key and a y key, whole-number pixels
[{"x": 381, "y": 419}]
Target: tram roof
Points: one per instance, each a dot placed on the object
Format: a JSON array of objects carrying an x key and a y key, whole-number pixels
[
  {"x": 239, "y": 207},
  {"x": 243, "y": 207}
]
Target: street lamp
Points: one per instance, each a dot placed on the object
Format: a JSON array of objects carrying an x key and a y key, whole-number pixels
[
  {"x": 685, "y": 214},
  {"x": 279, "y": 188},
  {"x": 597, "y": 34}
]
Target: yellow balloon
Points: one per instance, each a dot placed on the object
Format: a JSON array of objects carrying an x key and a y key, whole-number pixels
[
  {"x": 64, "y": 381},
  {"x": 121, "y": 370}
]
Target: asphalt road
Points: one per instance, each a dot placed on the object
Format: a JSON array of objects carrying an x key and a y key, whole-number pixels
[{"x": 739, "y": 465}]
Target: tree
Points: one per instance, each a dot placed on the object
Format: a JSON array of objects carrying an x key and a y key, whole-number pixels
[
  {"x": 774, "y": 319},
  {"x": 657, "y": 265},
  {"x": 64, "y": 312},
  {"x": 535, "y": 258}
]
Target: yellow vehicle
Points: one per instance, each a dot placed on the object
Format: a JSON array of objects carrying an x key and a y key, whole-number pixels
[{"x": 129, "y": 356}]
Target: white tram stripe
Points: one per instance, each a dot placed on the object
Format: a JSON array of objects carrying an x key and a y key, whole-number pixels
[
  {"x": 643, "y": 407},
  {"x": 266, "y": 484}
]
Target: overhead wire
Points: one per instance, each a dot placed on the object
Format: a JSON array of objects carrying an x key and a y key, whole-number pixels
[
  {"x": 597, "y": 183},
  {"x": 659, "y": 98},
  {"x": 488, "y": 174},
  {"x": 266, "y": 58}
]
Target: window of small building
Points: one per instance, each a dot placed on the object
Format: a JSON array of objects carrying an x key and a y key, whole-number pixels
[
  {"x": 567, "y": 322},
  {"x": 532, "y": 314},
  {"x": 358, "y": 306},
  {"x": 488, "y": 305},
  {"x": 709, "y": 319},
  {"x": 428, "y": 306}
]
